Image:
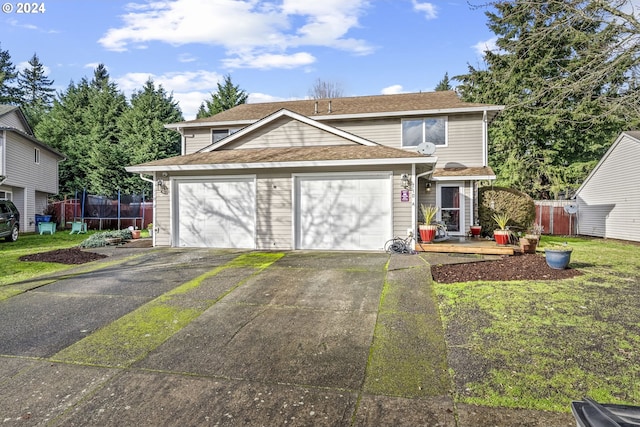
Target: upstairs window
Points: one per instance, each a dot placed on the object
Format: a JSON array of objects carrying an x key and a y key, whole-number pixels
[
  {"x": 417, "y": 131},
  {"x": 36, "y": 156},
  {"x": 218, "y": 134}
]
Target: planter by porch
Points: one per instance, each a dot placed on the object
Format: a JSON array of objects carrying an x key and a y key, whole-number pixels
[
  {"x": 427, "y": 233},
  {"x": 528, "y": 244},
  {"x": 135, "y": 234},
  {"x": 558, "y": 258},
  {"x": 475, "y": 230},
  {"x": 502, "y": 236}
]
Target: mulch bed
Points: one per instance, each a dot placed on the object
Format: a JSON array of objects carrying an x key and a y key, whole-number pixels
[
  {"x": 64, "y": 256},
  {"x": 516, "y": 267}
]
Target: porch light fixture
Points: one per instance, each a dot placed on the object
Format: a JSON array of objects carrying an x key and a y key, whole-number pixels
[
  {"x": 404, "y": 181},
  {"x": 428, "y": 186},
  {"x": 162, "y": 186}
]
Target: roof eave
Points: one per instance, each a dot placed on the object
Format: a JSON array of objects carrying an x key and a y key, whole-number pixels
[{"x": 292, "y": 164}]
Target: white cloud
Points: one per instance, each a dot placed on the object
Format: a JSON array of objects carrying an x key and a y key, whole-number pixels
[
  {"x": 486, "y": 46},
  {"x": 268, "y": 61},
  {"x": 257, "y": 28},
  {"x": 257, "y": 97},
  {"x": 392, "y": 90},
  {"x": 24, "y": 65},
  {"x": 186, "y": 57},
  {"x": 429, "y": 9},
  {"x": 93, "y": 65}
]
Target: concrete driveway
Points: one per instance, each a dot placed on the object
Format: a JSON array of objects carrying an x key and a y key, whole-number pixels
[{"x": 209, "y": 337}]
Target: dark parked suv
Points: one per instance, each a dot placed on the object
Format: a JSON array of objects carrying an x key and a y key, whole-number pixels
[{"x": 9, "y": 220}]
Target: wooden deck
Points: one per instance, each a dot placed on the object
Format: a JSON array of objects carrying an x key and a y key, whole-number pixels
[{"x": 465, "y": 245}]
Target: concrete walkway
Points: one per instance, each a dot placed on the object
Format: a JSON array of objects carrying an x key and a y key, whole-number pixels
[{"x": 204, "y": 337}]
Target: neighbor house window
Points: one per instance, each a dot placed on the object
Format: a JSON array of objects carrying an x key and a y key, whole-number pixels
[
  {"x": 36, "y": 156},
  {"x": 218, "y": 134},
  {"x": 417, "y": 131}
]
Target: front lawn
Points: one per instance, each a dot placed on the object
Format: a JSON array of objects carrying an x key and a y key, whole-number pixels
[
  {"x": 542, "y": 344},
  {"x": 13, "y": 270}
]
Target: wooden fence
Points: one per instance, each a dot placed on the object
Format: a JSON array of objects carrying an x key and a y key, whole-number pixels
[{"x": 550, "y": 214}]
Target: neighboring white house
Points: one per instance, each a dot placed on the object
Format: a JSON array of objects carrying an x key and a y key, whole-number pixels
[
  {"x": 28, "y": 167},
  {"x": 344, "y": 173},
  {"x": 609, "y": 199}
]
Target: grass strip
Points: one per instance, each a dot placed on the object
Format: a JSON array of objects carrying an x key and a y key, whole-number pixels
[
  {"x": 131, "y": 337},
  {"x": 407, "y": 356}
]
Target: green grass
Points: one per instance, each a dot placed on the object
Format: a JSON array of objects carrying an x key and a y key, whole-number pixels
[
  {"x": 542, "y": 344},
  {"x": 13, "y": 270}
]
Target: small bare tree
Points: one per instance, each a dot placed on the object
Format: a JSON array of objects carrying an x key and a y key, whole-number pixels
[{"x": 325, "y": 90}]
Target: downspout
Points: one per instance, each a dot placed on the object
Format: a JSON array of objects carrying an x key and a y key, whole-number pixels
[
  {"x": 485, "y": 140},
  {"x": 183, "y": 142}
]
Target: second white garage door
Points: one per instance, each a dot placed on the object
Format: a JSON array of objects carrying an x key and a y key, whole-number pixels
[
  {"x": 216, "y": 213},
  {"x": 346, "y": 212}
]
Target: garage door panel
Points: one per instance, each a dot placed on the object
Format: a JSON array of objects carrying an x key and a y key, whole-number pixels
[
  {"x": 217, "y": 213},
  {"x": 351, "y": 212}
]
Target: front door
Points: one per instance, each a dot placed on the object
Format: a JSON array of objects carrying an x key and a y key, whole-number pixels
[{"x": 451, "y": 202}]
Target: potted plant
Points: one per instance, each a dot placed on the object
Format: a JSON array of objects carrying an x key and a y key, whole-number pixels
[
  {"x": 428, "y": 230},
  {"x": 558, "y": 256},
  {"x": 502, "y": 234},
  {"x": 150, "y": 229},
  {"x": 475, "y": 230},
  {"x": 529, "y": 242}
]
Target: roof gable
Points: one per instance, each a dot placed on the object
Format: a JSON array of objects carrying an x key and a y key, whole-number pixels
[
  {"x": 13, "y": 117},
  {"x": 248, "y": 136}
]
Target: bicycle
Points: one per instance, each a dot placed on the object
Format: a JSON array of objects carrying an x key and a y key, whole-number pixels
[{"x": 398, "y": 245}]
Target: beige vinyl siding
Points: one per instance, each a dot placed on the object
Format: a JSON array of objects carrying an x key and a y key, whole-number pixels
[
  {"x": 12, "y": 120},
  {"x": 274, "y": 216},
  {"x": 286, "y": 132},
  {"x": 162, "y": 217},
  {"x": 464, "y": 144},
  {"x": 385, "y": 132},
  {"x": 609, "y": 202},
  {"x": 196, "y": 139}
]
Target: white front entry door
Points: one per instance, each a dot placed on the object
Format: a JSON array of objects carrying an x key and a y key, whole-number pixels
[
  {"x": 216, "y": 213},
  {"x": 343, "y": 212}
]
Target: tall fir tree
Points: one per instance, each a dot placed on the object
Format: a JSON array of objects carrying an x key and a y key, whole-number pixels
[
  {"x": 227, "y": 97},
  {"x": 9, "y": 92},
  {"x": 36, "y": 90},
  {"x": 444, "y": 84},
  {"x": 567, "y": 86},
  {"x": 142, "y": 132}
]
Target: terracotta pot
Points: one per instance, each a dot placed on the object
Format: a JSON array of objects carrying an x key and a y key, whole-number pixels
[
  {"x": 475, "y": 230},
  {"x": 427, "y": 233},
  {"x": 528, "y": 245},
  {"x": 501, "y": 236},
  {"x": 135, "y": 234}
]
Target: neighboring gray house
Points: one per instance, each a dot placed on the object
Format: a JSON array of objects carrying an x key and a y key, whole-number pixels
[
  {"x": 344, "y": 173},
  {"x": 28, "y": 168},
  {"x": 609, "y": 199}
]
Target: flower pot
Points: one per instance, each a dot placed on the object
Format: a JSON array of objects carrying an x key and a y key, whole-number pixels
[
  {"x": 502, "y": 236},
  {"x": 135, "y": 234},
  {"x": 475, "y": 230},
  {"x": 557, "y": 258},
  {"x": 427, "y": 233}
]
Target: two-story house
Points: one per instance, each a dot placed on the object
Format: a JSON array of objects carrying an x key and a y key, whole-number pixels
[
  {"x": 344, "y": 173},
  {"x": 28, "y": 167}
]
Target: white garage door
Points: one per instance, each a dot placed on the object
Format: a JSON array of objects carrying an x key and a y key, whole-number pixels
[
  {"x": 216, "y": 213},
  {"x": 351, "y": 212}
]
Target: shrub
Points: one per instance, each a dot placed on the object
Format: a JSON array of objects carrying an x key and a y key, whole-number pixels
[
  {"x": 518, "y": 206},
  {"x": 100, "y": 239}
]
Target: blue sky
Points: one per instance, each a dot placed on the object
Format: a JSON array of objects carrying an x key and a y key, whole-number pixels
[{"x": 274, "y": 50}]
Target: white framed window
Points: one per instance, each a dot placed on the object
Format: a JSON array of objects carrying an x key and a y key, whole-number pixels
[
  {"x": 36, "y": 156},
  {"x": 427, "y": 129},
  {"x": 218, "y": 134}
]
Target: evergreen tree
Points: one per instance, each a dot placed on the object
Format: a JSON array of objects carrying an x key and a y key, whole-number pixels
[
  {"x": 36, "y": 90},
  {"x": 444, "y": 84},
  {"x": 107, "y": 157},
  {"x": 142, "y": 131},
  {"x": 567, "y": 84},
  {"x": 64, "y": 129},
  {"x": 9, "y": 93},
  {"x": 227, "y": 97}
]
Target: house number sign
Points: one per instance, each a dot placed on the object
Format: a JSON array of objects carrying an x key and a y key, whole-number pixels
[{"x": 404, "y": 195}]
